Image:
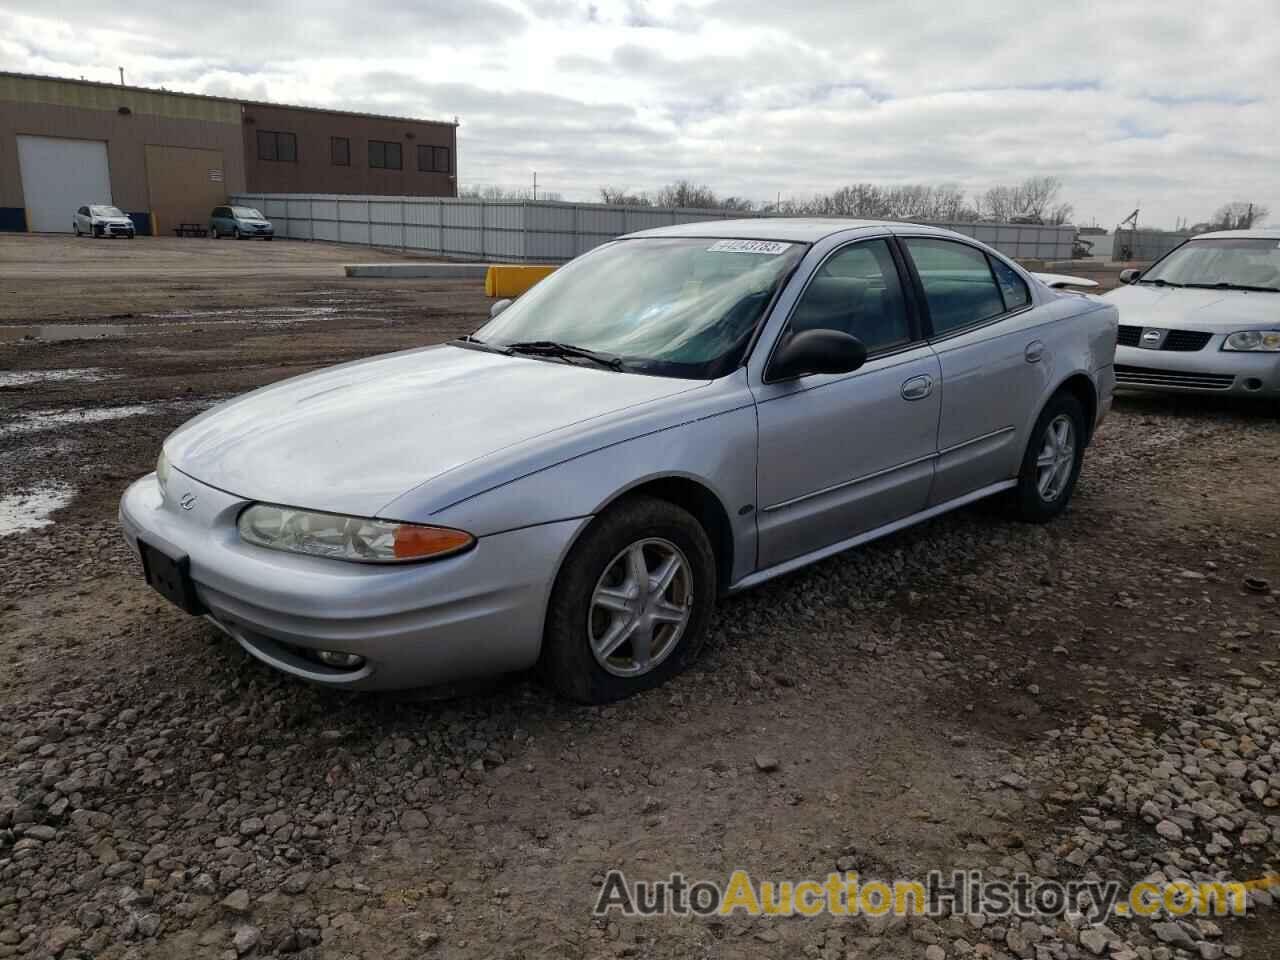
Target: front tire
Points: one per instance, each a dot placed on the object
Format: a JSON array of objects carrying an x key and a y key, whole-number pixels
[
  {"x": 235, "y": 233},
  {"x": 1051, "y": 464},
  {"x": 632, "y": 603}
]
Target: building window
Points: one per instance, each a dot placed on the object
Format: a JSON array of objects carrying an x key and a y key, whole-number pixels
[
  {"x": 277, "y": 146},
  {"x": 383, "y": 155},
  {"x": 340, "y": 151},
  {"x": 433, "y": 159}
]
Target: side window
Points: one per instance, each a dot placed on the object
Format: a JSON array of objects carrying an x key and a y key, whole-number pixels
[
  {"x": 1016, "y": 294},
  {"x": 83, "y": 211},
  {"x": 957, "y": 281},
  {"x": 857, "y": 291},
  {"x": 267, "y": 145},
  {"x": 340, "y": 151},
  {"x": 384, "y": 155},
  {"x": 273, "y": 145}
]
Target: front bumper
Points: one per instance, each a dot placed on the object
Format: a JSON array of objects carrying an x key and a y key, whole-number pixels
[
  {"x": 477, "y": 613},
  {"x": 113, "y": 230},
  {"x": 1207, "y": 371}
]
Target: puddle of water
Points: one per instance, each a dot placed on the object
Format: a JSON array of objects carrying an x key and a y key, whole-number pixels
[
  {"x": 30, "y": 511},
  {"x": 49, "y": 419},
  {"x": 189, "y": 319},
  {"x": 248, "y": 314},
  {"x": 64, "y": 331},
  {"x": 35, "y": 421},
  {"x": 21, "y": 378}
]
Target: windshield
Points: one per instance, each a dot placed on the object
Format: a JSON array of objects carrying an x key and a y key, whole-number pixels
[
  {"x": 100, "y": 211},
  {"x": 670, "y": 306},
  {"x": 1236, "y": 261},
  {"x": 246, "y": 213}
]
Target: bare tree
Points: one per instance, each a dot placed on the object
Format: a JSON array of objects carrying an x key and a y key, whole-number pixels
[
  {"x": 1237, "y": 215},
  {"x": 686, "y": 193},
  {"x": 619, "y": 197}
]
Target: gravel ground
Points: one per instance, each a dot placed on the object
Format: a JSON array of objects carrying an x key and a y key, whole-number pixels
[{"x": 1096, "y": 697}]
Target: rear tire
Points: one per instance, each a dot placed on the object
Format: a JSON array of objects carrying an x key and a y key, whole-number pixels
[
  {"x": 1051, "y": 464},
  {"x": 612, "y": 630},
  {"x": 213, "y": 233}
]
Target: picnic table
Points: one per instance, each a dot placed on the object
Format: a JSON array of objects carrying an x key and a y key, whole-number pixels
[{"x": 190, "y": 230}]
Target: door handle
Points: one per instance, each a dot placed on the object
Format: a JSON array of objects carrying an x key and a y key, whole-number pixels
[
  {"x": 1035, "y": 350},
  {"x": 917, "y": 388}
]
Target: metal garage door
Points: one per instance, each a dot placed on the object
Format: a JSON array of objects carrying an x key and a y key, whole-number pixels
[
  {"x": 60, "y": 175},
  {"x": 185, "y": 183}
]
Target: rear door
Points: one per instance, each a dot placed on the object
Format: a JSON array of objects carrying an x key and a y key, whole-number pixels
[
  {"x": 841, "y": 454},
  {"x": 983, "y": 326}
]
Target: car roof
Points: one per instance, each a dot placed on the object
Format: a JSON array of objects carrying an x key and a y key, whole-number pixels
[
  {"x": 1272, "y": 233},
  {"x": 796, "y": 229}
]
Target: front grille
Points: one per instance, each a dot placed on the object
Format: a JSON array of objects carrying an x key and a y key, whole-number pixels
[
  {"x": 1183, "y": 341},
  {"x": 1150, "y": 377},
  {"x": 1186, "y": 340}
]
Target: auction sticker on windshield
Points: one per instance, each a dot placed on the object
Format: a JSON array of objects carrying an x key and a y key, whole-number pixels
[{"x": 771, "y": 247}]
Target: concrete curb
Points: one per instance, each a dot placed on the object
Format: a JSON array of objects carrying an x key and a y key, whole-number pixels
[{"x": 434, "y": 271}]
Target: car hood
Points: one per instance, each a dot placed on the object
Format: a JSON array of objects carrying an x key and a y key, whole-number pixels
[
  {"x": 351, "y": 439},
  {"x": 1215, "y": 311}
]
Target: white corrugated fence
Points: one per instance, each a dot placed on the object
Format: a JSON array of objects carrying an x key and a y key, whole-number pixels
[{"x": 528, "y": 231}]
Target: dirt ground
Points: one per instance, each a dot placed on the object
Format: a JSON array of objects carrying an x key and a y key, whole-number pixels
[{"x": 970, "y": 693}]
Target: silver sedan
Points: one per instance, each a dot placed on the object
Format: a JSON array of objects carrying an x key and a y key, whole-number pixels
[
  {"x": 676, "y": 415},
  {"x": 1205, "y": 318}
]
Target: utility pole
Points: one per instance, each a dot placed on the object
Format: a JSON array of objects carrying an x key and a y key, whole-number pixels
[
  {"x": 535, "y": 184},
  {"x": 1250, "y": 215},
  {"x": 122, "y": 76}
]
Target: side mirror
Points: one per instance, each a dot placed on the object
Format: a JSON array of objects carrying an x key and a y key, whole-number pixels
[
  {"x": 816, "y": 351},
  {"x": 498, "y": 307},
  {"x": 1130, "y": 276}
]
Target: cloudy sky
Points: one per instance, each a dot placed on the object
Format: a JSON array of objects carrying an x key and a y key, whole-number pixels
[{"x": 1174, "y": 105}]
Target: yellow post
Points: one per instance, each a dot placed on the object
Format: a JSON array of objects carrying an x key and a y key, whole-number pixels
[{"x": 512, "y": 280}]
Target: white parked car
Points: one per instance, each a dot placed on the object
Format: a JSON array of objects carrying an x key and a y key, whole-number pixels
[
  {"x": 1205, "y": 318},
  {"x": 102, "y": 220}
]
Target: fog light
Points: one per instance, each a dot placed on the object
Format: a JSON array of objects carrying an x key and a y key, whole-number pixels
[{"x": 343, "y": 661}]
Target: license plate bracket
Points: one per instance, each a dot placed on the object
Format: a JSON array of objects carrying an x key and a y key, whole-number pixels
[{"x": 171, "y": 578}]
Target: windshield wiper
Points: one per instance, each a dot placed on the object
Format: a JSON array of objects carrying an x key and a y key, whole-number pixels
[
  {"x": 476, "y": 344},
  {"x": 1223, "y": 285},
  {"x": 553, "y": 348},
  {"x": 1161, "y": 282}
]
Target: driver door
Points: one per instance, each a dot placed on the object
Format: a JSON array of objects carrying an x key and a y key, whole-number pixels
[{"x": 841, "y": 454}]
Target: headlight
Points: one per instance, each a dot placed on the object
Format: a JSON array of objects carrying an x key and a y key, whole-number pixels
[
  {"x": 347, "y": 538},
  {"x": 1254, "y": 341},
  {"x": 162, "y": 470}
]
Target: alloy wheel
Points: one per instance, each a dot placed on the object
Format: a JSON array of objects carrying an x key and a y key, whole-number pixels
[
  {"x": 640, "y": 607},
  {"x": 1057, "y": 458}
]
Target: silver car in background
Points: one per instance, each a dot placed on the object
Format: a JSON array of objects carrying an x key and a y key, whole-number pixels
[
  {"x": 1205, "y": 318},
  {"x": 102, "y": 220},
  {"x": 675, "y": 415}
]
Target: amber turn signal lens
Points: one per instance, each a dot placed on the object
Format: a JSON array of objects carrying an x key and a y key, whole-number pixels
[{"x": 417, "y": 543}]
